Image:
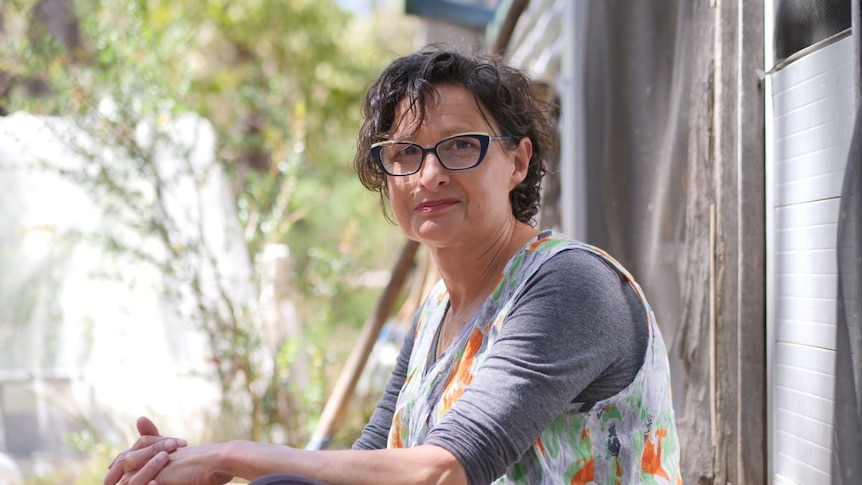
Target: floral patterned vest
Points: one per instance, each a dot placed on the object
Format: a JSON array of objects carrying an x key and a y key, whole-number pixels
[{"x": 626, "y": 439}]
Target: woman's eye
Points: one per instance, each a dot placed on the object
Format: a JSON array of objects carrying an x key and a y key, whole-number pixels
[
  {"x": 462, "y": 144},
  {"x": 409, "y": 150}
]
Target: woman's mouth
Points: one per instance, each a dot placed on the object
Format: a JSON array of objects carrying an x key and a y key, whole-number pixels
[{"x": 435, "y": 205}]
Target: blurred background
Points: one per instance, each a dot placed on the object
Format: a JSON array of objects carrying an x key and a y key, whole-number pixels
[{"x": 182, "y": 235}]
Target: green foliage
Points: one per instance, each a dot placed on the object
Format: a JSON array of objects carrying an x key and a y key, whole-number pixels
[{"x": 281, "y": 83}]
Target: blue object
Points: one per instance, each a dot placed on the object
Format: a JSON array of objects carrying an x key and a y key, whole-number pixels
[{"x": 471, "y": 15}]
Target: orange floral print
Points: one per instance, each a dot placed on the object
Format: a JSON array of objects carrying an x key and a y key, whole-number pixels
[
  {"x": 462, "y": 376},
  {"x": 651, "y": 461}
]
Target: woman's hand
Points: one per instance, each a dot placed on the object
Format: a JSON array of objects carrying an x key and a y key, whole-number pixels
[
  {"x": 144, "y": 475},
  {"x": 144, "y": 458},
  {"x": 195, "y": 465}
]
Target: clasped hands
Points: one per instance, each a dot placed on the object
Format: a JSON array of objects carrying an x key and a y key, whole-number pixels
[{"x": 159, "y": 460}]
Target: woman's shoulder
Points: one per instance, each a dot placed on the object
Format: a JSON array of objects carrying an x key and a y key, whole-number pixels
[
  {"x": 580, "y": 261},
  {"x": 582, "y": 278}
]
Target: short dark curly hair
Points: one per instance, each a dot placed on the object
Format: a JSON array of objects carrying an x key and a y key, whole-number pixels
[{"x": 503, "y": 92}]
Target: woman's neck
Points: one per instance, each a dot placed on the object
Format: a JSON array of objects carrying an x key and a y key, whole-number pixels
[{"x": 471, "y": 273}]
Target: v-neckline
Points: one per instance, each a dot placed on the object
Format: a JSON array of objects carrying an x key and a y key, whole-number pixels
[{"x": 433, "y": 359}]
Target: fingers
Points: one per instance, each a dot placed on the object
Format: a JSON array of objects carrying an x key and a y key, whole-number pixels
[
  {"x": 165, "y": 443},
  {"x": 147, "y": 474},
  {"x": 146, "y": 427},
  {"x": 132, "y": 460},
  {"x": 142, "y": 452},
  {"x": 115, "y": 473},
  {"x": 145, "y": 441},
  {"x": 149, "y": 434}
]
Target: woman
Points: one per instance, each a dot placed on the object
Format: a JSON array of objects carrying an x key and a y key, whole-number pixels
[{"x": 535, "y": 359}]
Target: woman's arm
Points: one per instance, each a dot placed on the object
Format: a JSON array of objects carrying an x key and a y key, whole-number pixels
[
  {"x": 216, "y": 464},
  {"x": 374, "y": 436},
  {"x": 376, "y": 433},
  {"x": 577, "y": 333}
]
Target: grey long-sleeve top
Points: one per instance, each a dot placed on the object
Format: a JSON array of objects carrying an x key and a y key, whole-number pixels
[{"x": 579, "y": 324}]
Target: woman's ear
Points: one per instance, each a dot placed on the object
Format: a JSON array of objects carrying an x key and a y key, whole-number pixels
[{"x": 522, "y": 155}]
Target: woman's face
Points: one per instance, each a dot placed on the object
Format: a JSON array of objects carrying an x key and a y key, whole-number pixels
[{"x": 441, "y": 207}]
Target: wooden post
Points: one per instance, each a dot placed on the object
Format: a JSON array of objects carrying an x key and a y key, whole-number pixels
[{"x": 740, "y": 340}]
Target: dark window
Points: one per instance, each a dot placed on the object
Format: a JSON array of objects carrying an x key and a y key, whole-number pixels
[{"x": 803, "y": 23}]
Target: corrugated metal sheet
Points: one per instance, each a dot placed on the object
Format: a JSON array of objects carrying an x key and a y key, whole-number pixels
[{"x": 813, "y": 121}]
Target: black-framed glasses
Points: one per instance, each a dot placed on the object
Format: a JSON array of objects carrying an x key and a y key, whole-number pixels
[{"x": 457, "y": 152}]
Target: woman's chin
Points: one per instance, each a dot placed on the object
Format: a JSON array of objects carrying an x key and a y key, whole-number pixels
[{"x": 433, "y": 233}]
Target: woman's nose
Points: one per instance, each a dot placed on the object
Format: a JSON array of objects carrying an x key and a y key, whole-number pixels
[{"x": 433, "y": 173}]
